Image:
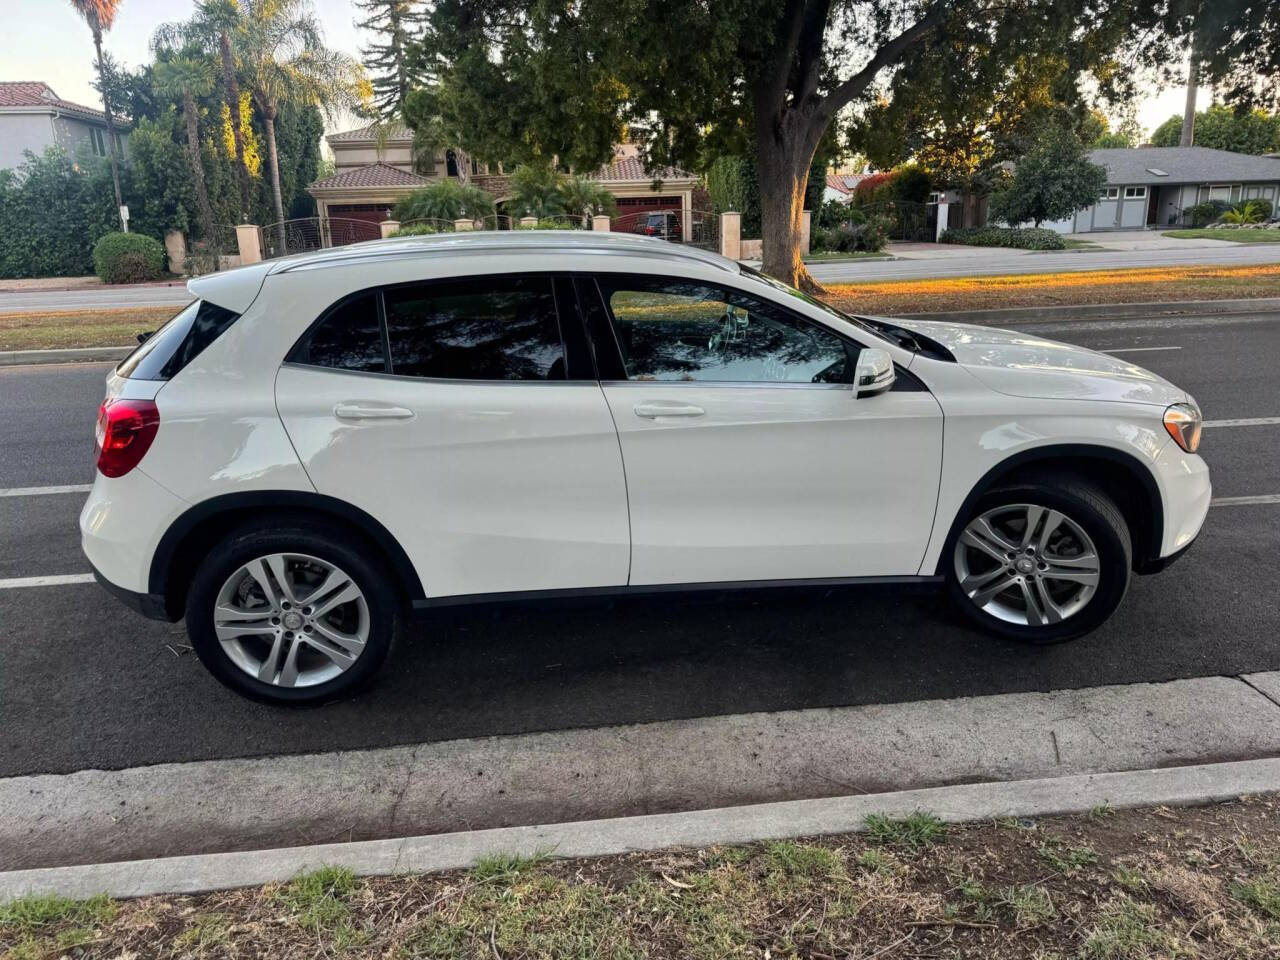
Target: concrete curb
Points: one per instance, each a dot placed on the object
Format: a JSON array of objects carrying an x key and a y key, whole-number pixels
[
  {"x": 593, "y": 838},
  {"x": 1106, "y": 311},
  {"x": 15, "y": 358}
]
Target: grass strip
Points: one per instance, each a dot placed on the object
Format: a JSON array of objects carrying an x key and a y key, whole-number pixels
[
  {"x": 47, "y": 330},
  {"x": 1237, "y": 235},
  {"x": 1122, "y": 885}
]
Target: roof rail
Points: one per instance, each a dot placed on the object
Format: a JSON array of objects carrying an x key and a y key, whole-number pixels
[{"x": 498, "y": 241}]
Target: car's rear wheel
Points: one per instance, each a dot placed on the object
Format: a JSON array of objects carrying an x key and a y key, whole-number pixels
[
  {"x": 1041, "y": 561},
  {"x": 292, "y": 615}
]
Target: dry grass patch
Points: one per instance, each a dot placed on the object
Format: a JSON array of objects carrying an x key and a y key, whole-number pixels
[
  {"x": 1197, "y": 883},
  {"x": 79, "y": 328},
  {"x": 1057, "y": 289}
]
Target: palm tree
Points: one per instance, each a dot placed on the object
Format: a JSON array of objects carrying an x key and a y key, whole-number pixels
[
  {"x": 217, "y": 23},
  {"x": 535, "y": 191},
  {"x": 446, "y": 200},
  {"x": 185, "y": 78},
  {"x": 584, "y": 197},
  {"x": 285, "y": 58},
  {"x": 100, "y": 15}
]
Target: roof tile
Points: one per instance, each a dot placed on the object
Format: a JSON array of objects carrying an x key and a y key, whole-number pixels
[
  {"x": 1183, "y": 165},
  {"x": 374, "y": 175},
  {"x": 35, "y": 93}
]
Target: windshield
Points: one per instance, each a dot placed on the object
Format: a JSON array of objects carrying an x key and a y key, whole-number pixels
[{"x": 815, "y": 302}]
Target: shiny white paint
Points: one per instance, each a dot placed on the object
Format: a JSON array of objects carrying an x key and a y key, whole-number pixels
[
  {"x": 500, "y": 487},
  {"x": 776, "y": 481},
  {"x": 489, "y": 487}
]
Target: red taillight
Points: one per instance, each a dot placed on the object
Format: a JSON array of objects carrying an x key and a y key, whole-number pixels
[{"x": 125, "y": 431}]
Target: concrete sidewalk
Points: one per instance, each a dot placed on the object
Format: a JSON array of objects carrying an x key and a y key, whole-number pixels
[{"x": 464, "y": 785}]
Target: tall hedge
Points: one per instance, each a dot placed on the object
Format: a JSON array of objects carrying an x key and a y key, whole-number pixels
[
  {"x": 52, "y": 210},
  {"x": 733, "y": 185}
]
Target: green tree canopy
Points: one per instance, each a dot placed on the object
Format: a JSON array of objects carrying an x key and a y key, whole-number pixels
[
  {"x": 1222, "y": 128},
  {"x": 529, "y": 80},
  {"x": 1052, "y": 182}
]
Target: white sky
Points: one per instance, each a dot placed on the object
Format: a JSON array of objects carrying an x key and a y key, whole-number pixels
[{"x": 46, "y": 40}]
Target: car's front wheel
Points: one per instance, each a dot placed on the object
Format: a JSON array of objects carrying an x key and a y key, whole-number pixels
[
  {"x": 293, "y": 615},
  {"x": 1040, "y": 561}
]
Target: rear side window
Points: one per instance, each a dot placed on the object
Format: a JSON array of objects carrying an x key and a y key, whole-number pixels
[
  {"x": 178, "y": 342},
  {"x": 487, "y": 328},
  {"x": 348, "y": 338}
]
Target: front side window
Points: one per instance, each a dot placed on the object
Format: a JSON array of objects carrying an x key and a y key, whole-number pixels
[
  {"x": 688, "y": 331},
  {"x": 485, "y": 328}
]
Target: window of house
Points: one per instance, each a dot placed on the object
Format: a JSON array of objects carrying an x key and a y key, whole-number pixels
[
  {"x": 483, "y": 328},
  {"x": 1135, "y": 193},
  {"x": 686, "y": 331},
  {"x": 1109, "y": 193},
  {"x": 98, "y": 144}
]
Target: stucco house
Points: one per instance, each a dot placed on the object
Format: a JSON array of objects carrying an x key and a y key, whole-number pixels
[
  {"x": 1152, "y": 186},
  {"x": 33, "y": 117},
  {"x": 371, "y": 174}
]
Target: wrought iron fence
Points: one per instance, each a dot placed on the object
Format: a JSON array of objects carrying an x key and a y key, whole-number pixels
[
  {"x": 905, "y": 219},
  {"x": 314, "y": 233},
  {"x": 696, "y": 228}
]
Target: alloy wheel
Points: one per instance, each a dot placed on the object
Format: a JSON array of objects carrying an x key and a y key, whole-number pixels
[
  {"x": 1027, "y": 564},
  {"x": 291, "y": 620}
]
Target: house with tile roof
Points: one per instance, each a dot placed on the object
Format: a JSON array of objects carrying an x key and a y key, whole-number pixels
[
  {"x": 1150, "y": 187},
  {"x": 33, "y": 117},
  {"x": 373, "y": 172}
]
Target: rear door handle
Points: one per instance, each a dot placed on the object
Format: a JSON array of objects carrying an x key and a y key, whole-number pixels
[
  {"x": 358, "y": 410},
  {"x": 666, "y": 408}
]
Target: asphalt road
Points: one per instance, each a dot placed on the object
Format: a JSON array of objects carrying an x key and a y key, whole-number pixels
[
  {"x": 991, "y": 262},
  {"x": 86, "y": 683},
  {"x": 107, "y": 298}
]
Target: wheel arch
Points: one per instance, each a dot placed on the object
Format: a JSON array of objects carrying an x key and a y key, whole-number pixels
[
  {"x": 194, "y": 532},
  {"x": 1120, "y": 474}
]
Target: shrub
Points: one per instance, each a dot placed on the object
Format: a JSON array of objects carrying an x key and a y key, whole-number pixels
[
  {"x": 128, "y": 258},
  {"x": 553, "y": 223},
  {"x": 417, "y": 230},
  {"x": 1204, "y": 213},
  {"x": 446, "y": 200},
  {"x": 1248, "y": 211},
  {"x": 733, "y": 185},
  {"x": 1022, "y": 238},
  {"x": 868, "y": 236}
]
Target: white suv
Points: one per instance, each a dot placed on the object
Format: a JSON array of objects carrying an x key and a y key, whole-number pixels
[{"x": 320, "y": 444}]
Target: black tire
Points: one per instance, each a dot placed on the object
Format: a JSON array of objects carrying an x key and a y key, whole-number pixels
[
  {"x": 315, "y": 539},
  {"x": 1097, "y": 515}
]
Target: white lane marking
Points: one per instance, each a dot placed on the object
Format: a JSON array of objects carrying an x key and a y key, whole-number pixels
[
  {"x": 60, "y": 580},
  {"x": 1245, "y": 422},
  {"x": 1244, "y": 501},
  {"x": 45, "y": 491},
  {"x": 1140, "y": 349}
]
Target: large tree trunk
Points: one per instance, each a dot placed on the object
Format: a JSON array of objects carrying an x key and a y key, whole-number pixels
[
  {"x": 197, "y": 168},
  {"x": 1189, "y": 109},
  {"x": 111, "y": 128},
  {"x": 269, "y": 115},
  {"x": 784, "y": 153},
  {"x": 232, "y": 88}
]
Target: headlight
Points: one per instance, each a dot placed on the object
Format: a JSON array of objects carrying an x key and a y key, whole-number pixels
[{"x": 1183, "y": 421}]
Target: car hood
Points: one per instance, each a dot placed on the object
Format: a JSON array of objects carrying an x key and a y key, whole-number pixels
[{"x": 1022, "y": 365}]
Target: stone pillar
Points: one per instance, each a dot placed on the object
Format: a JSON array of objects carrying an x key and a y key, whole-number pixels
[
  {"x": 461, "y": 225},
  {"x": 943, "y": 207},
  {"x": 388, "y": 227},
  {"x": 528, "y": 223},
  {"x": 806, "y": 230},
  {"x": 731, "y": 235},
  {"x": 175, "y": 247},
  {"x": 686, "y": 217},
  {"x": 249, "y": 240},
  {"x": 601, "y": 221}
]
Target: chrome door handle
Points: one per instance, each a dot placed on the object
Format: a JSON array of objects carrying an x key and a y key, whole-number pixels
[
  {"x": 354, "y": 410},
  {"x": 663, "y": 408}
]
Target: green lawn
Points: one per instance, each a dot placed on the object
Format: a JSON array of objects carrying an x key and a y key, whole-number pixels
[{"x": 1242, "y": 235}]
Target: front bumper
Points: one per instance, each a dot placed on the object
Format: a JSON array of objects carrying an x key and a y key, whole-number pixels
[{"x": 1157, "y": 564}]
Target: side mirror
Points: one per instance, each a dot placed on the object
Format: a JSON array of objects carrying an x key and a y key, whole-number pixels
[{"x": 874, "y": 372}]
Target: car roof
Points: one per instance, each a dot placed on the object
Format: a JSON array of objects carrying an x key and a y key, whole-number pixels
[
  {"x": 236, "y": 289},
  {"x": 513, "y": 242}
]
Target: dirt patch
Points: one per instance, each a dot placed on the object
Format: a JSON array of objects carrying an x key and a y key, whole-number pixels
[
  {"x": 1152, "y": 883},
  {"x": 79, "y": 328},
  {"x": 1157, "y": 285}
]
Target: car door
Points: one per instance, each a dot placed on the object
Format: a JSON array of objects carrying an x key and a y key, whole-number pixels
[
  {"x": 459, "y": 415},
  {"x": 748, "y": 455}
]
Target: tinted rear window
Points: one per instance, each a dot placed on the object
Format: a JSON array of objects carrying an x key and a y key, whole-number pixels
[
  {"x": 348, "y": 338},
  {"x": 178, "y": 342}
]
